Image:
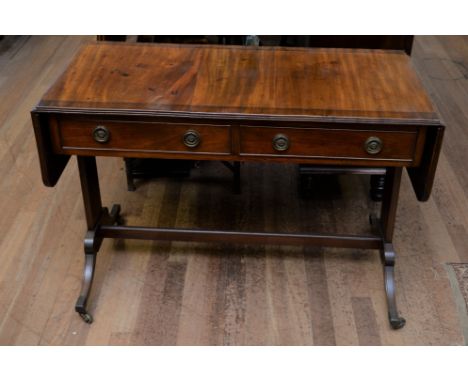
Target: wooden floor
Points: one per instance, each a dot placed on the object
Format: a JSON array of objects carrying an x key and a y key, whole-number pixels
[{"x": 186, "y": 294}]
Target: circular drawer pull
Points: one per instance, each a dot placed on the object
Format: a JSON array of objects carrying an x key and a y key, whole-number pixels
[
  {"x": 192, "y": 139},
  {"x": 101, "y": 134},
  {"x": 373, "y": 145},
  {"x": 280, "y": 142}
]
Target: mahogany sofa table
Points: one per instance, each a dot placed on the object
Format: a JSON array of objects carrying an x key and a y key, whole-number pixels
[{"x": 337, "y": 110}]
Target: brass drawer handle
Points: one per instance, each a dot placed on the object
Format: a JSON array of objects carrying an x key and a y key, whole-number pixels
[
  {"x": 101, "y": 134},
  {"x": 373, "y": 145},
  {"x": 192, "y": 139},
  {"x": 280, "y": 142}
]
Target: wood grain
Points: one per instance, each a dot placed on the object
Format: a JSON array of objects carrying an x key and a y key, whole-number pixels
[
  {"x": 267, "y": 80},
  {"x": 189, "y": 294}
]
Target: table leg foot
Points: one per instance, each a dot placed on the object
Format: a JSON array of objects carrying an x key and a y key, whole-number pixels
[
  {"x": 87, "y": 318},
  {"x": 92, "y": 242},
  {"x": 88, "y": 274},
  {"x": 396, "y": 321}
]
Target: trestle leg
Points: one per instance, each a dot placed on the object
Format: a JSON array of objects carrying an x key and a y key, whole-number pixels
[
  {"x": 385, "y": 227},
  {"x": 96, "y": 216}
]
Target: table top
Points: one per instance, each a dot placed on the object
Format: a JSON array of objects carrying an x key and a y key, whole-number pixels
[
  {"x": 252, "y": 93},
  {"x": 242, "y": 82}
]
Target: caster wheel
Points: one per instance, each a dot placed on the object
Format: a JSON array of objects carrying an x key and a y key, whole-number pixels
[
  {"x": 397, "y": 323},
  {"x": 86, "y": 317}
]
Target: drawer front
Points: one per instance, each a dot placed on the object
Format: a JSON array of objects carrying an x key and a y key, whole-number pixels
[
  {"x": 143, "y": 137},
  {"x": 328, "y": 143}
]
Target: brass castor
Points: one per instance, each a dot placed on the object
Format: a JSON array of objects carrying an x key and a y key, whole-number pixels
[
  {"x": 397, "y": 323},
  {"x": 86, "y": 317}
]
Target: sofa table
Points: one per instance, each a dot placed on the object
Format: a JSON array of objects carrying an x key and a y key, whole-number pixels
[{"x": 336, "y": 110}]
